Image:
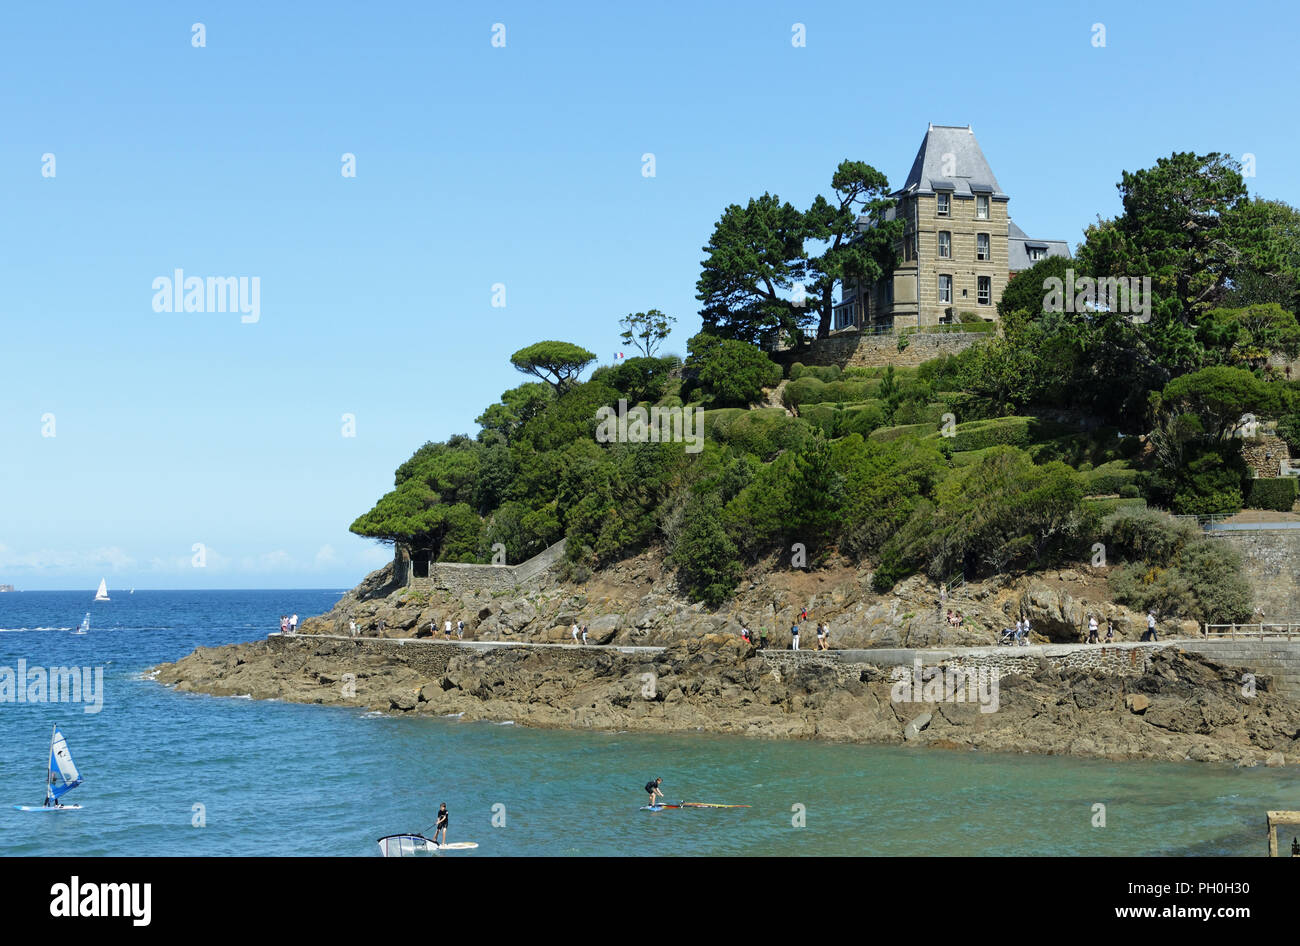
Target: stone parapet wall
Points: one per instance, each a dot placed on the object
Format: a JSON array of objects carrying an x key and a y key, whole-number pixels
[
  {"x": 855, "y": 349},
  {"x": 460, "y": 579}
]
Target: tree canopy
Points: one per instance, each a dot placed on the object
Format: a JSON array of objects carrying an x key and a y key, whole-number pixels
[{"x": 556, "y": 363}]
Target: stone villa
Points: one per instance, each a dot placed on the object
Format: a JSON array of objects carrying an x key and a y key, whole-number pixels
[{"x": 959, "y": 246}]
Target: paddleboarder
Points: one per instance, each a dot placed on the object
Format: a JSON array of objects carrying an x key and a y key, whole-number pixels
[
  {"x": 441, "y": 825},
  {"x": 653, "y": 789}
]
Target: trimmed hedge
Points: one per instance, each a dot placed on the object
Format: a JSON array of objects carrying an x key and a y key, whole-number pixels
[
  {"x": 864, "y": 372},
  {"x": 982, "y": 434},
  {"x": 823, "y": 373},
  {"x": 809, "y": 390},
  {"x": 1278, "y": 494},
  {"x": 1110, "y": 478},
  {"x": 839, "y": 421},
  {"x": 1104, "y": 507},
  {"x": 885, "y": 434}
]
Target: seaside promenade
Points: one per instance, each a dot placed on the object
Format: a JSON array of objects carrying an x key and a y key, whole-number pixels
[{"x": 1278, "y": 658}]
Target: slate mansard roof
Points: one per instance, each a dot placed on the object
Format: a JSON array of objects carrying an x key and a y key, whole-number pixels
[
  {"x": 1019, "y": 244},
  {"x": 950, "y": 159}
]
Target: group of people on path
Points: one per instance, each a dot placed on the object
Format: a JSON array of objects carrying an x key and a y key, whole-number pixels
[
  {"x": 1094, "y": 629},
  {"x": 760, "y": 640},
  {"x": 447, "y": 629},
  {"x": 579, "y": 630},
  {"x": 288, "y": 624}
]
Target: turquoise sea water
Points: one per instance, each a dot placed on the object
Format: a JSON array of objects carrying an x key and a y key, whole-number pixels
[{"x": 281, "y": 778}]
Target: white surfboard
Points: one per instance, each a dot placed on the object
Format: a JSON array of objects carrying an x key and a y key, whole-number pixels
[{"x": 47, "y": 807}]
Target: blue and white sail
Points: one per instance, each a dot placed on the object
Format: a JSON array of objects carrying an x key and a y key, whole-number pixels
[
  {"x": 85, "y": 624},
  {"x": 63, "y": 774}
]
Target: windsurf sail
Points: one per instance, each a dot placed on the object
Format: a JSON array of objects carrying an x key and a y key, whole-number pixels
[
  {"x": 102, "y": 593},
  {"x": 407, "y": 845},
  {"x": 85, "y": 624},
  {"x": 63, "y": 775}
]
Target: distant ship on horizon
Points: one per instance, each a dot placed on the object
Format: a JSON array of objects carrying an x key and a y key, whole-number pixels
[{"x": 6, "y": 587}]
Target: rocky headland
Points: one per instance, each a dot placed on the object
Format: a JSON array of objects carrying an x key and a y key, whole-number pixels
[{"x": 1171, "y": 705}]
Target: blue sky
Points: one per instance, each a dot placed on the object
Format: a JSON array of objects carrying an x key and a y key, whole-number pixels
[{"x": 475, "y": 165}]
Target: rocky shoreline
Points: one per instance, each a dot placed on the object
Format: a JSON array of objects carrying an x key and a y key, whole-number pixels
[{"x": 1179, "y": 707}]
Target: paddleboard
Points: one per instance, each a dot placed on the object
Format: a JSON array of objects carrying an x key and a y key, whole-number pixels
[
  {"x": 47, "y": 807},
  {"x": 658, "y": 807}
]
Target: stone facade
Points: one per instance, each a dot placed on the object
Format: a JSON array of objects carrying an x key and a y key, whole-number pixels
[{"x": 956, "y": 233}]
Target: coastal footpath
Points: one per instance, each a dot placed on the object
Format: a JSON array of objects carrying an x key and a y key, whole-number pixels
[{"x": 1131, "y": 701}]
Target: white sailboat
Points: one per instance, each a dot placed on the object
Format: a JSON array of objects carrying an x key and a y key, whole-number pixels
[
  {"x": 61, "y": 777},
  {"x": 85, "y": 625},
  {"x": 102, "y": 593}
]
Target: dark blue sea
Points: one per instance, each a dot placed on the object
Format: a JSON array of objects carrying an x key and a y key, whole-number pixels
[{"x": 184, "y": 774}]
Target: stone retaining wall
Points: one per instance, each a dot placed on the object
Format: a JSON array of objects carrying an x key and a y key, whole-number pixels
[
  {"x": 465, "y": 579},
  {"x": 856, "y": 349},
  {"x": 1271, "y": 563}
]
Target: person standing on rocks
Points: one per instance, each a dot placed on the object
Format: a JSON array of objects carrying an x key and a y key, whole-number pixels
[
  {"x": 584, "y": 635},
  {"x": 821, "y": 636},
  {"x": 293, "y": 624},
  {"x": 1151, "y": 627},
  {"x": 352, "y": 628},
  {"x": 794, "y": 636},
  {"x": 1110, "y": 631},
  {"x": 575, "y": 630},
  {"x": 284, "y": 624},
  {"x": 1092, "y": 629},
  {"x": 762, "y": 638},
  {"x": 446, "y": 629},
  {"x": 460, "y": 630},
  {"x": 1024, "y": 641}
]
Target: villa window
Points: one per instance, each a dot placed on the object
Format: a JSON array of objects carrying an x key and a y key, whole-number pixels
[
  {"x": 982, "y": 207},
  {"x": 1037, "y": 254},
  {"x": 941, "y": 204},
  {"x": 945, "y": 289},
  {"x": 985, "y": 290},
  {"x": 982, "y": 246},
  {"x": 945, "y": 244}
]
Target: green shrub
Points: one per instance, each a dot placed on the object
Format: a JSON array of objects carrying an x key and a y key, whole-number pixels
[
  {"x": 1204, "y": 583},
  {"x": 1279, "y": 494},
  {"x": 982, "y": 434},
  {"x": 823, "y": 373},
  {"x": 763, "y": 433},
  {"x": 1111, "y": 478},
  {"x": 1145, "y": 535},
  {"x": 885, "y": 434},
  {"x": 811, "y": 390},
  {"x": 1104, "y": 507},
  {"x": 724, "y": 372}
]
